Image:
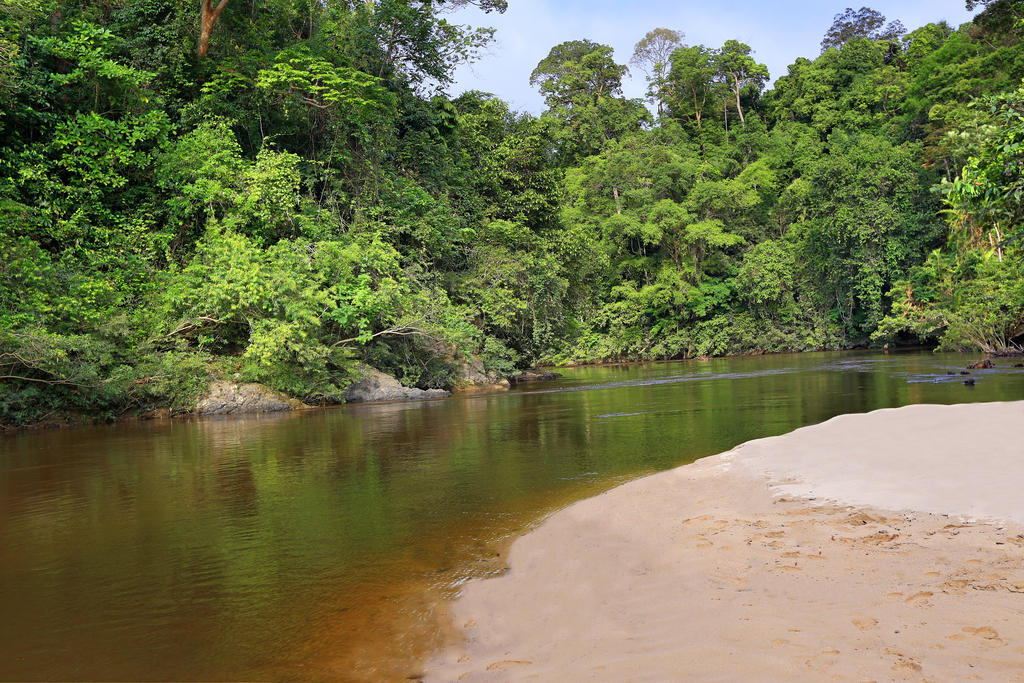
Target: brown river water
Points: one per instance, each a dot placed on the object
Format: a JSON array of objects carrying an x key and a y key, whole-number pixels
[{"x": 324, "y": 545}]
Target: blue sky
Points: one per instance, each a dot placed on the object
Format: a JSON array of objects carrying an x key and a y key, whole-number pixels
[{"x": 778, "y": 32}]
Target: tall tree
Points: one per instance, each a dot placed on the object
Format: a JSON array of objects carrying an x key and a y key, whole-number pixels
[
  {"x": 691, "y": 81},
  {"x": 863, "y": 23},
  {"x": 651, "y": 55},
  {"x": 582, "y": 86},
  {"x": 739, "y": 70},
  {"x": 575, "y": 69},
  {"x": 998, "y": 15},
  {"x": 208, "y": 15}
]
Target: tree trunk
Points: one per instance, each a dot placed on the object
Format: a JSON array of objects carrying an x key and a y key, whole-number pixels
[
  {"x": 739, "y": 109},
  {"x": 725, "y": 113},
  {"x": 618, "y": 202},
  {"x": 208, "y": 15}
]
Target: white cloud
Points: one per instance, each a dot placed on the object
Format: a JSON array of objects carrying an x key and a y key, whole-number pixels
[{"x": 778, "y": 32}]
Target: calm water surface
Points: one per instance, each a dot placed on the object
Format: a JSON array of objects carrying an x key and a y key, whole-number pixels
[{"x": 320, "y": 546}]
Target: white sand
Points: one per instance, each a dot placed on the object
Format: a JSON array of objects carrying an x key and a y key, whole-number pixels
[
  {"x": 963, "y": 460},
  {"x": 842, "y": 551}
]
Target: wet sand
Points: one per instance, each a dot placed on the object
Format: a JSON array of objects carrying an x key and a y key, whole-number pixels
[{"x": 883, "y": 546}]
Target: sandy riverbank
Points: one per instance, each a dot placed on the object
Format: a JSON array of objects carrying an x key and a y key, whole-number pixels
[{"x": 885, "y": 546}]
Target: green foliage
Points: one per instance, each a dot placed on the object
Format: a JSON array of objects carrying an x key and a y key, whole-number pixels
[
  {"x": 652, "y": 55},
  {"x": 582, "y": 84},
  {"x": 576, "y": 70},
  {"x": 293, "y": 312},
  {"x": 737, "y": 67},
  {"x": 302, "y": 78},
  {"x": 515, "y": 286},
  {"x": 864, "y": 23},
  {"x": 972, "y": 296},
  {"x": 866, "y": 224},
  {"x": 307, "y": 197},
  {"x": 766, "y": 278},
  {"x": 990, "y": 188},
  {"x": 973, "y": 304},
  {"x": 692, "y": 82}
]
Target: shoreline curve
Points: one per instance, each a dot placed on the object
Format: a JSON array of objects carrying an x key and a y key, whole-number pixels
[{"x": 886, "y": 545}]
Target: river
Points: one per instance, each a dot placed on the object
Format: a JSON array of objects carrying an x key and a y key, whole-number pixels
[{"x": 323, "y": 545}]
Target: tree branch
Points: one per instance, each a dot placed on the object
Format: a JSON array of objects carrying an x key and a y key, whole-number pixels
[
  {"x": 64, "y": 382},
  {"x": 401, "y": 331}
]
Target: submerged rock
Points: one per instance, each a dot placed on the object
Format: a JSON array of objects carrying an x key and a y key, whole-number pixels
[
  {"x": 374, "y": 385},
  {"x": 534, "y": 376},
  {"x": 471, "y": 375},
  {"x": 468, "y": 372},
  {"x": 232, "y": 398}
]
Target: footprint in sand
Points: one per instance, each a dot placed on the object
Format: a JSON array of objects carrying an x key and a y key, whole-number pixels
[
  {"x": 955, "y": 586},
  {"x": 860, "y": 519},
  {"x": 984, "y": 635},
  {"x": 865, "y": 623},
  {"x": 903, "y": 664},
  {"x": 878, "y": 538},
  {"x": 919, "y": 598},
  {"x": 823, "y": 661},
  {"x": 506, "y": 664},
  {"x": 739, "y": 581},
  {"x": 694, "y": 520}
]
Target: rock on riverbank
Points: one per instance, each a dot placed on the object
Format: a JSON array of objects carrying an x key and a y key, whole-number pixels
[
  {"x": 233, "y": 398},
  {"x": 374, "y": 385},
  {"x": 534, "y": 376}
]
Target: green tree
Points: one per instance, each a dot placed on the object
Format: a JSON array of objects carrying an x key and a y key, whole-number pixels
[
  {"x": 582, "y": 86},
  {"x": 578, "y": 71},
  {"x": 741, "y": 72},
  {"x": 866, "y": 226},
  {"x": 652, "y": 55},
  {"x": 691, "y": 82},
  {"x": 971, "y": 296},
  {"x": 863, "y": 23}
]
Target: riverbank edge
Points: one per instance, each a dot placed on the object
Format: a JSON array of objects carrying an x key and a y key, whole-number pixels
[
  {"x": 165, "y": 412},
  {"x": 742, "y": 527},
  {"x": 285, "y": 403}
]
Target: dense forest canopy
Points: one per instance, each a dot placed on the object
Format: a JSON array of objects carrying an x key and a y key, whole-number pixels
[{"x": 274, "y": 191}]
